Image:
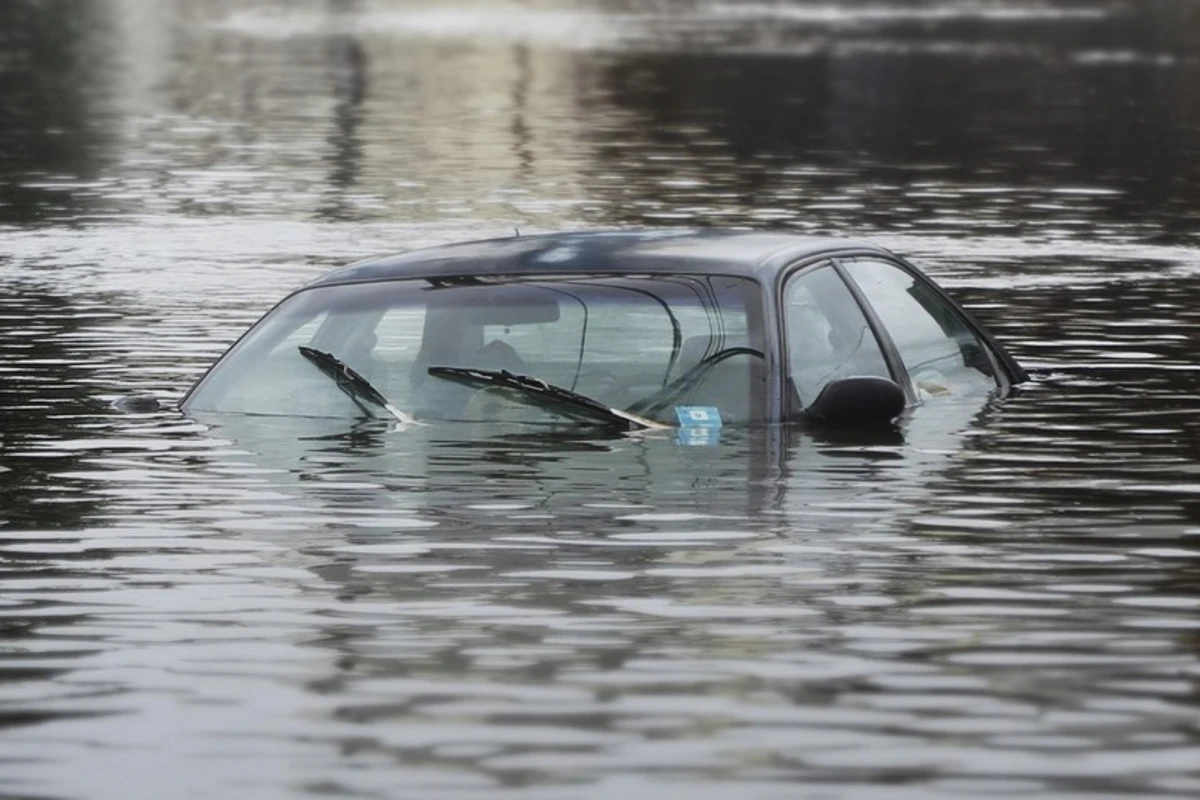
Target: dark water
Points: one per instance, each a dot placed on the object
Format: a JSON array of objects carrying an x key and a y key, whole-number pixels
[{"x": 1000, "y": 602}]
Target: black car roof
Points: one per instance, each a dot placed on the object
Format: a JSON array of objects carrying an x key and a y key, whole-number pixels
[{"x": 753, "y": 254}]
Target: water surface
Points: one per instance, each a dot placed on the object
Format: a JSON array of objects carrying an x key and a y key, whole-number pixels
[{"x": 999, "y": 601}]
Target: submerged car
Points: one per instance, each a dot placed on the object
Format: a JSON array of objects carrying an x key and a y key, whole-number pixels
[{"x": 628, "y": 329}]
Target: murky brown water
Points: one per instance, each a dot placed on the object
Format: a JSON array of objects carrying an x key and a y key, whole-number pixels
[{"x": 1001, "y": 602}]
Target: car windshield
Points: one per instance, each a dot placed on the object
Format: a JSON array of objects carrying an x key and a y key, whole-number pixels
[{"x": 651, "y": 343}]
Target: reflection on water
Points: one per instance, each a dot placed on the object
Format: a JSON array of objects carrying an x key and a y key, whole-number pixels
[{"x": 995, "y": 602}]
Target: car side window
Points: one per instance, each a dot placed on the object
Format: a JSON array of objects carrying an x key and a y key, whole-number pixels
[
  {"x": 828, "y": 336},
  {"x": 941, "y": 353}
]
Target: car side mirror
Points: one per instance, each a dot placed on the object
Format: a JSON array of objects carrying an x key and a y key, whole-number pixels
[{"x": 858, "y": 401}]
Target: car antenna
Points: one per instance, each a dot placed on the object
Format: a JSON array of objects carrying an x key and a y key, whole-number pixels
[{"x": 517, "y": 231}]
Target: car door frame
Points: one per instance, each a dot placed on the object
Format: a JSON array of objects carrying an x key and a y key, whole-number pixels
[{"x": 1006, "y": 371}]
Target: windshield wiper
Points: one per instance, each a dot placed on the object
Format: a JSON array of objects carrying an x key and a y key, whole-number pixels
[
  {"x": 546, "y": 395},
  {"x": 689, "y": 380},
  {"x": 356, "y": 386}
]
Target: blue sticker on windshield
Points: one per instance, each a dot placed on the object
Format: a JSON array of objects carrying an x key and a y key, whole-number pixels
[
  {"x": 707, "y": 417},
  {"x": 698, "y": 425}
]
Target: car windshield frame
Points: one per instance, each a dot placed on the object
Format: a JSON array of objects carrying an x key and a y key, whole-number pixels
[{"x": 652, "y": 320}]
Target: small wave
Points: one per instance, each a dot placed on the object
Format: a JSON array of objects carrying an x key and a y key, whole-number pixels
[
  {"x": 839, "y": 14},
  {"x": 573, "y": 28},
  {"x": 594, "y": 29},
  {"x": 1099, "y": 58},
  {"x": 1101, "y": 262}
]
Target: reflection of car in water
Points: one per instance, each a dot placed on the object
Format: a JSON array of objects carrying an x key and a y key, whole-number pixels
[{"x": 631, "y": 330}]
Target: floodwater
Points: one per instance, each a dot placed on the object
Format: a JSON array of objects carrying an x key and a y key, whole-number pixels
[{"x": 998, "y": 602}]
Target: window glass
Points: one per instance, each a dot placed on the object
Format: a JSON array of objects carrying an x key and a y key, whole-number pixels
[
  {"x": 386, "y": 354},
  {"x": 941, "y": 354},
  {"x": 624, "y": 341},
  {"x": 827, "y": 334},
  {"x": 283, "y": 382}
]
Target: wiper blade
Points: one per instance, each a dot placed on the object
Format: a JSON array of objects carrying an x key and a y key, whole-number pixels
[
  {"x": 689, "y": 380},
  {"x": 353, "y": 384},
  {"x": 546, "y": 395}
]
